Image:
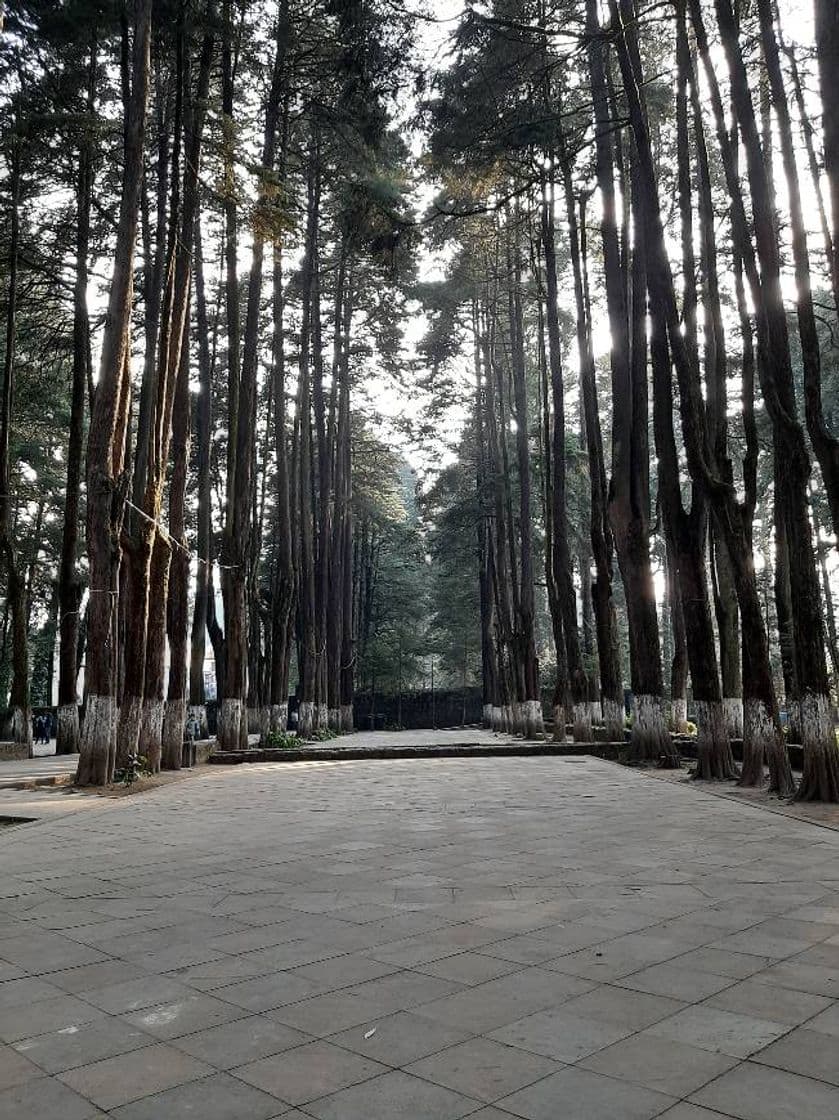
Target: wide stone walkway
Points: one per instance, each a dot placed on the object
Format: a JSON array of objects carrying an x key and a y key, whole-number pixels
[{"x": 546, "y": 938}]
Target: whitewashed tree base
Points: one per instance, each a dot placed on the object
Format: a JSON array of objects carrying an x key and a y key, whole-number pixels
[
  {"x": 534, "y": 723},
  {"x": 128, "y": 726},
  {"x": 230, "y": 718},
  {"x": 22, "y": 728},
  {"x": 151, "y": 732},
  {"x": 97, "y": 746},
  {"x": 278, "y": 717},
  {"x": 582, "y": 722},
  {"x": 732, "y": 707},
  {"x": 305, "y": 719},
  {"x": 174, "y": 722},
  {"x": 68, "y": 734},
  {"x": 613, "y": 720},
  {"x": 679, "y": 715}
]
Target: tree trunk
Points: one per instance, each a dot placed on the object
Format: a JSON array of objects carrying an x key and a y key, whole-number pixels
[
  {"x": 531, "y": 694},
  {"x": 177, "y": 605},
  {"x": 679, "y": 664},
  {"x": 766, "y": 733},
  {"x": 203, "y": 439},
  {"x": 561, "y": 564},
  {"x": 16, "y": 590},
  {"x": 821, "y": 757},
  {"x": 824, "y": 444},
  {"x": 236, "y": 550},
  {"x": 601, "y": 540},
  {"x": 827, "y": 53},
  {"x": 69, "y": 584},
  {"x": 106, "y": 483},
  {"x": 284, "y": 580},
  {"x": 629, "y": 486}
]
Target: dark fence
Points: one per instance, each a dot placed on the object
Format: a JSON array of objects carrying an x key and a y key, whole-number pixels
[{"x": 447, "y": 708}]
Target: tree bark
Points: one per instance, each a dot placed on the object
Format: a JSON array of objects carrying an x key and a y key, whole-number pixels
[
  {"x": 106, "y": 482},
  {"x": 763, "y": 731},
  {"x": 69, "y": 583},
  {"x": 821, "y": 756},
  {"x": 827, "y": 53},
  {"x": 203, "y": 439},
  {"x": 16, "y": 588},
  {"x": 629, "y": 486},
  {"x": 236, "y": 548}
]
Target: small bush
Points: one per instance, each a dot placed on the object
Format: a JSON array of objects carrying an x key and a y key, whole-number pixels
[
  {"x": 138, "y": 766},
  {"x": 281, "y": 740}
]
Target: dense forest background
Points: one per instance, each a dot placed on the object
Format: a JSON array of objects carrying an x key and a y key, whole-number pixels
[{"x": 363, "y": 346}]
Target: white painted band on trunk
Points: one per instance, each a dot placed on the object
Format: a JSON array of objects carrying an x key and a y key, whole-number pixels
[
  {"x": 678, "y": 714},
  {"x": 613, "y": 720},
  {"x": 732, "y": 708},
  {"x": 582, "y": 722},
  {"x": 22, "y": 728},
  {"x": 98, "y": 731},
  {"x": 758, "y": 725},
  {"x": 278, "y": 717},
  {"x": 174, "y": 722},
  {"x": 816, "y": 721},
  {"x": 129, "y": 726},
  {"x": 305, "y": 719},
  {"x": 229, "y": 723},
  {"x": 534, "y": 724},
  {"x": 151, "y": 732},
  {"x": 347, "y": 717}
]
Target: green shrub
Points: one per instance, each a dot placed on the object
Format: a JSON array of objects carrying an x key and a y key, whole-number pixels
[
  {"x": 137, "y": 766},
  {"x": 281, "y": 740}
]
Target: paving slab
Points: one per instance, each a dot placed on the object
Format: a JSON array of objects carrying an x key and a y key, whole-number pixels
[
  {"x": 483, "y": 1069},
  {"x": 435, "y": 938},
  {"x": 755, "y": 1092},
  {"x": 393, "y": 1095},
  {"x": 308, "y": 1072},
  {"x": 219, "y": 1097},
  {"x": 576, "y": 1094}
]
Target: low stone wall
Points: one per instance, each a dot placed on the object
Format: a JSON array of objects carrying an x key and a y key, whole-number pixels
[
  {"x": 13, "y": 752},
  {"x": 203, "y": 749}
]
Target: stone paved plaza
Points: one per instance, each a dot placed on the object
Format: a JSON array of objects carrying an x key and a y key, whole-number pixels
[{"x": 544, "y": 938}]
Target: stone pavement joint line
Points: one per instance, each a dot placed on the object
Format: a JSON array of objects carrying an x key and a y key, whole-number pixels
[{"x": 541, "y": 939}]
